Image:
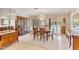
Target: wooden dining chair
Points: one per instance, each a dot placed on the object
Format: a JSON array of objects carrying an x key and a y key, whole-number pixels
[
  {"x": 42, "y": 33},
  {"x": 52, "y": 35},
  {"x": 35, "y": 32},
  {"x": 46, "y": 32},
  {"x": 49, "y": 34},
  {"x": 69, "y": 37},
  {"x": 19, "y": 30}
]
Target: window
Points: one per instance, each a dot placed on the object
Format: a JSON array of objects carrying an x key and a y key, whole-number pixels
[
  {"x": 76, "y": 20},
  {"x": 5, "y": 21}
]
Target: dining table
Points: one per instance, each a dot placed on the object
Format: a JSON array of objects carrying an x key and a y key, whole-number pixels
[{"x": 46, "y": 32}]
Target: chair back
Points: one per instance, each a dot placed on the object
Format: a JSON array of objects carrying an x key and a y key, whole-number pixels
[
  {"x": 41, "y": 31},
  {"x": 35, "y": 30}
]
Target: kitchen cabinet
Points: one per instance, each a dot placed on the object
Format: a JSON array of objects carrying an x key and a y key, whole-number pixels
[
  {"x": 75, "y": 42},
  {"x": 7, "y": 38}
]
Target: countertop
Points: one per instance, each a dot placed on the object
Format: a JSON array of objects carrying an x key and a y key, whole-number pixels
[
  {"x": 4, "y": 25},
  {"x": 6, "y": 32},
  {"x": 74, "y": 32}
]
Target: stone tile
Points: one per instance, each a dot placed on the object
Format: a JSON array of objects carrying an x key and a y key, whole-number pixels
[{"x": 26, "y": 42}]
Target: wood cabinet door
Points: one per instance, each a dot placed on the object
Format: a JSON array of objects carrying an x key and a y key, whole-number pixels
[
  {"x": 8, "y": 39},
  {"x": 75, "y": 43},
  {"x": 5, "y": 40},
  {"x": 14, "y": 37},
  {"x": 63, "y": 30}
]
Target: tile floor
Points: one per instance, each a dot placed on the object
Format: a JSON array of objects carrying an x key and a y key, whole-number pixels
[{"x": 26, "y": 42}]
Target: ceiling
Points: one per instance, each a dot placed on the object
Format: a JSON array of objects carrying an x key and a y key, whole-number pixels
[{"x": 36, "y": 11}]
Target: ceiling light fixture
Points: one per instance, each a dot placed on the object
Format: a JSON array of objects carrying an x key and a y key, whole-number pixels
[
  {"x": 40, "y": 10},
  {"x": 36, "y": 8},
  {"x": 41, "y": 17}
]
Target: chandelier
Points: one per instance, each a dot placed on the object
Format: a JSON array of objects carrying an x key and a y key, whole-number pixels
[{"x": 41, "y": 17}]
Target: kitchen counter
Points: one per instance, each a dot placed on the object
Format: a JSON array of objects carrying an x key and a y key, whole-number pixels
[
  {"x": 4, "y": 25},
  {"x": 73, "y": 32},
  {"x": 6, "y": 32},
  {"x": 8, "y": 37},
  {"x": 75, "y": 35}
]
